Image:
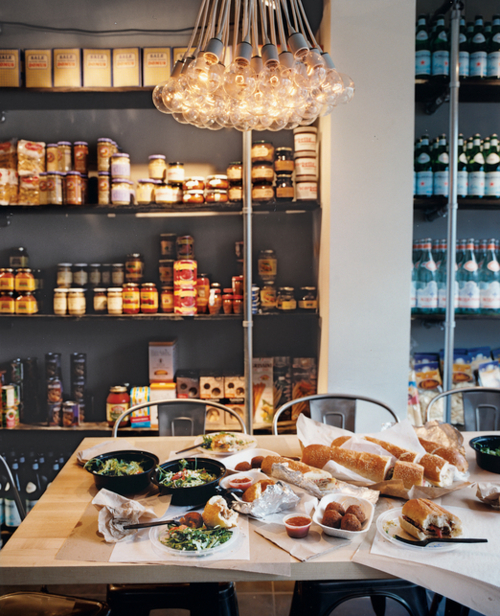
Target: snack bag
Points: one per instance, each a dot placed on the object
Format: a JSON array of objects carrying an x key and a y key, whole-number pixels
[
  {"x": 30, "y": 157},
  {"x": 29, "y": 193},
  {"x": 8, "y": 157},
  {"x": 489, "y": 374},
  {"x": 429, "y": 385},
  {"x": 414, "y": 411}
]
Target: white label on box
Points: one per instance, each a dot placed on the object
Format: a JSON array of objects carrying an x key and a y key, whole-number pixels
[
  {"x": 125, "y": 60},
  {"x": 38, "y": 61},
  {"x": 66, "y": 60},
  {"x": 156, "y": 59}
]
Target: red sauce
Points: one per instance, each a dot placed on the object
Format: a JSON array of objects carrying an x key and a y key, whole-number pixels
[
  {"x": 241, "y": 482},
  {"x": 298, "y": 521}
]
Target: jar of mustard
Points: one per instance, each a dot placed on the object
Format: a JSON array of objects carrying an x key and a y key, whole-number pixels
[
  {"x": 26, "y": 303},
  {"x": 149, "y": 298},
  {"x": 120, "y": 166},
  {"x": 24, "y": 280},
  {"x": 64, "y": 276},
  {"x": 131, "y": 298},
  {"x": 94, "y": 274},
  {"x": 115, "y": 300},
  {"x": 80, "y": 274},
  {"x": 60, "y": 303},
  {"x": 157, "y": 166},
  {"x": 100, "y": 303},
  {"x": 6, "y": 279},
  {"x": 76, "y": 302},
  {"x": 105, "y": 148}
]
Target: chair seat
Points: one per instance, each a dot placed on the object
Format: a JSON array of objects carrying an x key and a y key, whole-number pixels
[{"x": 45, "y": 604}]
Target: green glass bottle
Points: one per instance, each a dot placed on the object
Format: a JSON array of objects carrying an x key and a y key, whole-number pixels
[
  {"x": 422, "y": 49},
  {"x": 489, "y": 281},
  {"x": 475, "y": 168},
  {"x": 423, "y": 169},
  {"x": 440, "y": 168},
  {"x": 492, "y": 170},
  {"x": 463, "y": 51},
  {"x": 493, "y": 63},
  {"x": 478, "y": 53},
  {"x": 462, "y": 174},
  {"x": 427, "y": 299},
  {"x": 440, "y": 50},
  {"x": 468, "y": 282}
]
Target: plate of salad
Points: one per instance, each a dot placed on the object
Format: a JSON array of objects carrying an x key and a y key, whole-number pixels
[
  {"x": 181, "y": 540},
  {"x": 224, "y": 443}
]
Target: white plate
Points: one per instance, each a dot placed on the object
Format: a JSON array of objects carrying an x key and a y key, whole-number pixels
[
  {"x": 254, "y": 474},
  {"x": 346, "y": 501},
  {"x": 388, "y": 526},
  {"x": 248, "y": 441},
  {"x": 156, "y": 532},
  {"x": 246, "y": 456}
]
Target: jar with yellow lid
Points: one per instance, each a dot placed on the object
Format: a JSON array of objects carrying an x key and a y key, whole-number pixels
[
  {"x": 175, "y": 172},
  {"x": 26, "y": 303},
  {"x": 100, "y": 303},
  {"x": 115, "y": 300},
  {"x": 120, "y": 191},
  {"x": 145, "y": 192},
  {"x": 120, "y": 166},
  {"x": 7, "y": 302},
  {"x": 64, "y": 156},
  {"x": 262, "y": 151},
  {"x": 51, "y": 163},
  {"x": 157, "y": 166},
  {"x": 24, "y": 280},
  {"x": 76, "y": 302},
  {"x": 235, "y": 171},
  {"x": 60, "y": 303},
  {"x": 131, "y": 301},
  {"x": 149, "y": 298},
  {"x": 6, "y": 279}
]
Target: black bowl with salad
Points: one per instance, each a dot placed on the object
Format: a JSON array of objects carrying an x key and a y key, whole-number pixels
[
  {"x": 487, "y": 450},
  {"x": 190, "y": 481},
  {"x": 125, "y": 472}
]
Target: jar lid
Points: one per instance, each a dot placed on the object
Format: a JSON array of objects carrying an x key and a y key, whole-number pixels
[
  {"x": 99, "y": 290},
  {"x": 119, "y": 154},
  {"x": 44, "y": 173},
  {"x": 305, "y": 129},
  {"x": 227, "y": 295},
  {"x": 215, "y": 285},
  {"x": 104, "y": 139},
  {"x": 308, "y": 288},
  {"x": 166, "y": 261},
  {"x": 64, "y": 264},
  {"x": 95, "y": 265},
  {"x": 148, "y": 181},
  {"x": 103, "y": 173},
  {"x": 61, "y": 290},
  {"x": 80, "y": 143},
  {"x": 237, "y": 296},
  {"x": 216, "y": 191},
  {"x": 290, "y": 289},
  {"x": 194, "y": 192},
  {"x": 118, "y": 389},
  {"x": 174, "y": 185},
  {"x": 262, "y": 163},
  {"x": 52, "y": 145},
  {"x": 261, "y": 142},
  {"x": 130, "y": 284},
  {"x": 284, "y": 149},
  {"x": 81, "y": 264},
  {"x": 197, "y": 178},
  {"x": 176, "y": 164},
  {"x": 168, "y": 234},
  {"x": 64, "y": 143},
  {"x": 157, "y": 156},
  {"x": 148, "y": 284},
  {"x": 134, "y": 255},
  {"x": 115, "y": 290},
  {"x": 74, "y": 173},
  {"x": 6, "y": 269},
  {"x": 167, "y": 288},
  {"x": 228, "y": 290},
  {"x": 284, "y": 174},
  {"x": 268, "y": 251},
  {"x": 235, "y": 162},
  {"x": 117, "y": 264},
  {"x": 76, "y": 290},
  {"x": 216, "y": 177},
  {"x": 120, "y": 181}
]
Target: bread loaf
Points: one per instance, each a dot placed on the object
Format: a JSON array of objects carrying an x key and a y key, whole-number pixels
[
  {"x": 451, "y": 455},
  {"x": 367, "y": 465},
  {"x": 255, "y": 491},
  {"x": 217, "y": 513},
  {"x": 309, "y": 472},
  {"x": 409, "y": 473}
]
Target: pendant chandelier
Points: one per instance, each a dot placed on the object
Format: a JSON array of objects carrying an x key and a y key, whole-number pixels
[{"x": 252, "y": 65}]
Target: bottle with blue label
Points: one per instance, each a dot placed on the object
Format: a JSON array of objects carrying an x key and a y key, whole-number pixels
[
  {"x": 34, "y": 487},
  {"x": 475, "y": 168},
  {"x": 462, "y": 174},
  {"x": 12, "y": 517},
  {"x": 492, "y": 170},
  {"x": 440, "y": 50},
  {"x": 441, "y": 168},
  {"x": 489, "y": 281},
  {"x": 413, "y": 288},
  {"x": 442, "y": 278},
  {"x": 463, "y": 51},
  {"x": 423, "y": 169},
  {"x": 478, "y": 51},
  {"x": 493, "y": 62},
  {"x": 468, "y": 282},
  {"x": 422, "y": 49},
  {"x": 427, "y": 291}
]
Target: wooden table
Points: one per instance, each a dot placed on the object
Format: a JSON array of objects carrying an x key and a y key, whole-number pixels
[{"x": 30, "y": 555}]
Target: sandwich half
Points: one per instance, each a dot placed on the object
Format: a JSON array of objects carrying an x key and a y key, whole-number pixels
[{"x": 423, "y": 518}]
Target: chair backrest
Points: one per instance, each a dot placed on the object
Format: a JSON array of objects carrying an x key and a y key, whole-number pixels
[
  {"x": 481, "y": 407},
  {"x": 17, "y": 497},
  {"x": 333, "y": 409},
  {"x": 181, "y": 416}
]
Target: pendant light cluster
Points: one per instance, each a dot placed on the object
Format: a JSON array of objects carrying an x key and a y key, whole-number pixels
[{"x": 277, "y": 76}]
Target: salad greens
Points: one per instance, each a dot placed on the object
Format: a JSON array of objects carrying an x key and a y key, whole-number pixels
[
  {"x": 184, "y": 477},
  {"x": 113, "y": 467},
  {"x": 223, "y": 442},
  {"x": 188, "y": 539},
  {"x": 488, "y": 450}
]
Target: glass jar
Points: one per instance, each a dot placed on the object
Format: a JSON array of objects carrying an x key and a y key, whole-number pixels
[
  {"x": 286, "y": 301},
  {"x": 262, "y": 151},
  {"x": 80, "y": 156},
  {"x": 308, "y": 299},
  {"x": 51, "y": 157},
  {"x": 185, "y": 273},
  {"x": 267, "y": 265},
  {"x": 238, "y": 304},
  {"x": 268, "y": 297},
  {"x": 76, "y": 302},
  {"x": 202, "y": 292},
  {"x": 235, "y": 172},
  {"x": 134, "y": 267},
  {"x": 117, "y": 274},
  {"x": 262, "y": 173},
  {"x": 106, "y": 274},
  {"x": 237, "y": 285},
  {"x": 194, "y": 183},
  {"x": 284, "y": 188},
  {"x": 149, "y": 298},
  {"x": 157, "y": 166},
  {"x": 185, "y": 301},
  {"x": 105, "y": 148},
  {"x": 100, "y": 303},
  {"x": 235, "y": 192},
  {"x": 262, "y": 193},
  {"x": 80, "y": 274},
  {"x": 120, "y": 166},
  {"x": 131, "y": 298},
  {"x": 103, "y": 188},
  {"x": 227, "y": 303},
  {"x": 175, "y": 172},
  {"x": 215, "y": 299},
  {"x": 283, "y": 163},
  {"x": 167, "y": 245},
  {"x": 24, "y": 280},
  {"x": 184, "y": 247},
  {"x": 217, "y": 182},
  {"x": 18, "y": 257},
  {"x": 94, "y": 274},
  {"x": 64, "y": 156},
  {"x": 42, "y": 188},
  {"x": 26, "y": 303},
  {"x": 60, "y": 302},
  {"x": 305, "y": 139},
  {"x": 168, "y": 194},
  {"x": 120, "y": 191},
  {"x": 216, "y": 196},
  {"x": 117, "y": 402},
  {"x": 167, "y": 299},
  {"x": 85, "y": 188},
  {"x": 306, "y": 191},
  {"x": 7, "y": 302},
  {"x": 166, "y": 269},
  {"x": 6, "y": 279},
  {"x": 115, "y": 300},
  {"x": 64, "y": 276},
  {"x": 73, "y": 188},
  {"x": 145, "y": 192},
  {"x": 193, "y": 197},
  {"x": 306, "y": 168},
  {"x": 54, "y": 188}
]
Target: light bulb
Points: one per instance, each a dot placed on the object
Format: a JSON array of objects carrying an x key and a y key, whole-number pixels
[
  {"x": 172, "y": 96},
  {"x": 158, "y": 98},
  {"x": 269, "y": 80},
  {"x": 239, "y": 81},
  {"x": 333, "y": 86},
  {"x": 348, "y": 93},
  {"x": 309, "y": 75},
  {"x": 179, "y": 117}
]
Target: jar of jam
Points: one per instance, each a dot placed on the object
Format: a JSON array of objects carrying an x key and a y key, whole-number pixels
[
  {"x": 7, "y": 302},
  {"x": 76, "y": 302},
  {"x": 286, "y": 301},
  {"x": 194, "y": 183},
  {"x": 149, "y": 298},
  {"x": 166, "y": 269},
  {"x": 134, "y": 268},
  {"x": 157, "y": 166},
  {"x": 193, "y": 197},
  {"x": 184, "y": 247},
  {"x": 105, "y": 148},
  {"x": 268, "y": 297},
  {"x": 216, "y": 196},
  {"x": 117, "y": 274},
  {"x": 283, "y": 163},
  {"x": 60, "y": 303},
  {"x": 120, "y": 166},
  {"x": 54, "y": 188},
  {"x": 100, "y": 303},
  {"x": 235, "y": 192},
  {"x": 120, "y": 191},
  {"x": 262, "y": 151},
  {"x": 26, "y": 303},
  {"x": 80, "y": 274},
  {"x": 262, "y": 173},
  {"x": 235, "y": 172},
  {"x": 131, "y": 298},
  {"x": 175, "y": 172},
  {"x": 94, "y": 274},
  {"x": 284, "y": 188},
  {"x": 203, "y": 292},
  {"x": 64, "y": 156},
  {"x": 42, "y": 188},
  {"x": 237, "y": 285},
  {"x": 227, "y": 303},
  {"x": 167, "y": 245},
  {"x": 215, "y": 299},
  {"x": 117, "y": 402},
  {"x": 169, "y": 193},
  {"x": 306, "y": 191},
  {"x": 304, "y": 139},
  {"x": 103, "y": 188},
  {"x": 262, "y": 193},
  {"x": 167, "y": 299},
  {"x": 51, "y": 157},
  {"x": 308, "y": 300},
  {"x": 73, "y": 188},
  {"x": 115, "y": 300},
  {"x": 145, "y": 192},
  {"x": 24, "y": 280},
  {"x": 217, "y": 182},
  {"x": 267, "y": 265},
  {"x": 6, "y": 279},
  {"x": 80, "y": 156},
  {"x": 238, "y": 304}
]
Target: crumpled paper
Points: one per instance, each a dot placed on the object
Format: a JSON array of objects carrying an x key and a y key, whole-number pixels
[
  {"x": 489, "y": 493},
  {"x": 84, "y": 455},
  {"x": 276, "y": 497},
  {"x": 115, "y": 511},
  {"x": 444, "y": 434}
]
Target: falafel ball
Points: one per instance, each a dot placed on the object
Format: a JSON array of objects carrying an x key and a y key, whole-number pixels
[
  {"x": 257, "y": 461},
  {"x": 334, "y": 506},
  {"x": 350, "y": 522},
  {"x": 332, "y": 519},
  {"x": 358, "y": 512},
  {"x": 243, "y": 466}
]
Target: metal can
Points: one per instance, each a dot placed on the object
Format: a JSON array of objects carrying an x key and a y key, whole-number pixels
[
  {"x": 78, "y": 366},
  {"x": 131, "y": 298},
  {"x": 185, "y": 273},
  {"x": 52, "y": 365}
]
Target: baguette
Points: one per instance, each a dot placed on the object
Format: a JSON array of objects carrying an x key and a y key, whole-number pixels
[
  {"x": 450, "y": 454},
  {"x": 423, "y": 518},
  {"x": 339, "y": 441},
  {"x": 394, "y": 450},
  {"x": 437, "y": 470},
  {"x": 410, "y": 474}
]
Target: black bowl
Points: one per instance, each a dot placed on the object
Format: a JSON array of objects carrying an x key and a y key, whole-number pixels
[
  {"x": 126, "y": 484},
  {"x": 197, "y": 494},
  {"x": 487, "y": 461}
]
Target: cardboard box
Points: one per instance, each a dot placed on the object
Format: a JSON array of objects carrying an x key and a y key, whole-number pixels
[
  {"x": 188, "y": 383},
  {"x": 263, "y": 407},
  {"x": 67, "y": 68},
  {"x": 304, "y": 382},
  {"x": 178, "y": 53},
  {"x": 234, "y": 387},
  {"x": 159, "y": 391},
  {"x": 231, "y": 422},
  {"x": 155, "y": 65},
  {"x": 126, "y": 67},
  {"x": 211, "y": 386},
  {"x": 142, "y": 417},
  {"x": 97, "y": 68},
  {"x": 38, "y": 68},
  {"x": 162, "y": 361},
  {"x": 10, "y": 68}
]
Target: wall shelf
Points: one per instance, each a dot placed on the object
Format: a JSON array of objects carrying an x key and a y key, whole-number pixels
[
  {"x": 156, "y": 317},
  {"x": 472, "y": 90}
]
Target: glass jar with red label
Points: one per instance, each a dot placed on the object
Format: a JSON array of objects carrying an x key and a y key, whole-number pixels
[
  {"x": 185, "y": 247},
  {"x": 203, "y": 291},
  {"x": 26, "y": 303},
  {"x": 7, "y": 302},
  {"x": 131, "y": 298},
  {"x": 134, "y": 268},
  {"x": 117, "y": 402},
  {"x": 227, "y": 302},
  {"x": 185, "y": 273},
  {"x": 267, "y": 265},
  {"x": 6, "y": 279},
  {"x": 149, "y": 298},
  {"x": 167, "y": 299}
]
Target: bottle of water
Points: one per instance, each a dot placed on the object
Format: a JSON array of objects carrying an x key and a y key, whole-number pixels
[
  {"x": 489, "y": 281},
  {"x": 478, "y": 54},
  {"x": 440, "y": 49},
  {"x": 463, "y": 51},
  {"x": 422, "y": 49},
  {"x": 468, "y": 282},
  {"x": 427, "y": 299},
  {"x": 423, "y": 169},
  {"x": 492, "y": 170},
  {"x": 462, "y": 174},
  {"x": 475, "y": 167},
  {"x": 440, "y": 168},
  {"x": 493, "y": 63}
]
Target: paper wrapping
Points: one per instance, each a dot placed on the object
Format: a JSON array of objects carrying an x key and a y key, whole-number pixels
[
  {"x": 489, "y": 493},
  {"x": 84, "y": 455}
]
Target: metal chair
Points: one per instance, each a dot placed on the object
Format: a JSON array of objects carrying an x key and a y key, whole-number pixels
[
  {"x": 180, "y": 416},
  {"x": 481, "y": 407},
  {"x": 332, "y": 409}
]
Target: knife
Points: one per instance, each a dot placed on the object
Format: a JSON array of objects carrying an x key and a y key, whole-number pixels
[
  {"x": 425, "y": 542},
  {"x": 161, "y": 522}
]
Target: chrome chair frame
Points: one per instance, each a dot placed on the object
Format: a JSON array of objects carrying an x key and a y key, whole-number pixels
[{"x": 470, "y": 390}]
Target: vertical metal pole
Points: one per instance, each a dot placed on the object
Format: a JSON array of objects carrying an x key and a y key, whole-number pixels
[
  {"x": 452, "y": 209},
  {"x": 247, "y": 274}
]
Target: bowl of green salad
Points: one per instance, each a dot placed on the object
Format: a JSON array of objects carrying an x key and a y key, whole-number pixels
[
  {"x": 125, "y": 472},
  {"x": 487, "y": 450}
]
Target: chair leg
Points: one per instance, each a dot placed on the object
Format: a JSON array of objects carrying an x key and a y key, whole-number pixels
[
  {"x": 378, "y": 604},
  {"x": 436, "y": 602},
  {"x": 452, "y": 608}
]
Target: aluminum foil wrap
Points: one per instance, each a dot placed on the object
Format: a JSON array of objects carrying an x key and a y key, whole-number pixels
[
  {"x": 275, "y": 498},
  {"x": 489, "y": 493}
]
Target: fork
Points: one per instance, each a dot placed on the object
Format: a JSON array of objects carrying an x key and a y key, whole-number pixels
[{"x": 425, "y": 542}]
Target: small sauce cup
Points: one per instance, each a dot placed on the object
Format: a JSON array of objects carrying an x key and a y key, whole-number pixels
[
  {"x": 297, "y": 525},
  {"x": 241, "y": 483}
]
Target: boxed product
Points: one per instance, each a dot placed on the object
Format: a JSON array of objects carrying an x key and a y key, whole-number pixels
[
  {"x": 8, "y": 154},
  {"x": 10, "y": 68},
  {"x": 126, "y": 67},
  {"x": 234, "y": 387},
  {"x": 67, "y": 68},
  {"x": 97, "y": 68},
  {"x": 162, "y": 361},
  {"x": 211, "y": 386},
  {"x": 178, "y": 54},
  {"x": 155, "y": 65},
  {"x": 38, "y": 68},
  {"x": 232, "y": 422},
  {"x": 188, "y": 383},
  {"x": 142, "y": 417},
  {"x": 282, "y": 382},
  {"x": 159, "y": 391},
  {"x": 263, "y": 408},
  {"x": 304, "y": 381}
]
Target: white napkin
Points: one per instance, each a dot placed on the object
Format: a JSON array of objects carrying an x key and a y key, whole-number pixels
[
  {"x": 115, "y": 511},
  {"x": 84, "y": 455}
]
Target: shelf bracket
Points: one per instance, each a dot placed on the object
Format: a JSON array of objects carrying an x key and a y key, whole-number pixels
[{"x": 5, "y": 219}]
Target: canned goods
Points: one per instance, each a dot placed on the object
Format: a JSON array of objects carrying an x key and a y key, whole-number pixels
[
  {"x": 185, "y": 301},
  {"x": 185, "y": 273},
  {"x": 149, "y": 298},
  {"x": 185, "y": 247},
  {"x": 134, "y": 267}
]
